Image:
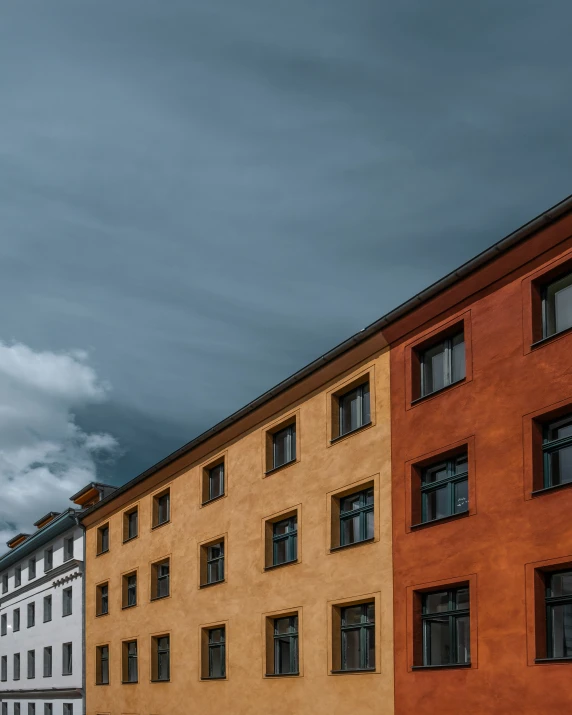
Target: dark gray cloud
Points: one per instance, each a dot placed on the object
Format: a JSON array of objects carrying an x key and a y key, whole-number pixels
[{"x": 207, "y": 194}]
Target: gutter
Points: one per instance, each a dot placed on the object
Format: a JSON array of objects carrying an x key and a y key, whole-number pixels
[{"x": 545, "y": 219}]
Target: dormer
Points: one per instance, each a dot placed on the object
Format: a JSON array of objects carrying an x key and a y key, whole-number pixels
[
  {"x": 91, "y": 494},
  {"x": 45, "y": 520},
  {"x": 16, "y": 540}
]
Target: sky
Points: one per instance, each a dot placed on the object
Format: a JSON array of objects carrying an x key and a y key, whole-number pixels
[{"x": 199, "y": 197}]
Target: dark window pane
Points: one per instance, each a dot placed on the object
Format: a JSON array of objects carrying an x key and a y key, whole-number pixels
[
  {"x": 369, "y": 522},
  {"x": 217, "y": 635},
  {"x": 283, "y": 647},
  {"x": 561, "y": 630},
  {"x": 561, "y": 584},
  {"x": 461, "y": 464},
  {"x": 561, "y": 465},
  {"x": 352, "y": 502},
  {"x": 352, "y": 615},
  {"x": 558, "y": 306},
  {"x": 435, "y": 474},
  {"x": 216, "y": 481},
  {"x": 283, "y": 527},
  {"x": 280, "y": 552},
  {"x": 436, "y": 602},
  {"x": 351, "y": 649},
  {"x": 366, "y": 411},
  {"x": 437, "y": 504},
  {"x": 282, "y": 625},
  {"x": 437, "y": 648},
  {"x": 458, "y": 358},
  {"x": 217, "y": 662},
  {"x": 284, "y": 446},
  {"x": 434, "y": 369},
  {"x": 350, "y": 529},
  {"x": 370, "y": 648},
  {"x": 463, "y": 639},
  {"x": 461, "y": 496},
  {"x": 462, "y": 599}
]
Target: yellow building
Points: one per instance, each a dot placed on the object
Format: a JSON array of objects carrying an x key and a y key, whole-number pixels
[{"x": 251, "y": 571}]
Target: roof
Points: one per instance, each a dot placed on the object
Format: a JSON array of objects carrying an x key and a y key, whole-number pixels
[
  {"x": 521, "y": 234},
  {"x": 16, "y": 539},
  {"x": 47, "y": 517},
  {"x": 89, "y": 487}
]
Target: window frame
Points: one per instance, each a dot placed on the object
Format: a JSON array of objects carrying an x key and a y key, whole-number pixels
[
  {"x": 219, "y": 645},
  {"x": 363, "y": 412},
  {"x": 447, "y": 341},
  {"x": 17, "y": 575},
  {"x": 128, "y": 524},
  {"x": 48, "y": 661},
  {"x": 453, "y": 614},
  {"x": 16, "y": 617},
  {"x": 156, "y": 653},
  {"x": 4, "y": 669},
  {"x": 549, "y": 304},
  {"x": 360, "y": 511},
  {"x": 67, "y": 601},
  {"x": 450, "y": 482},
  {"x": 290, "y": 537},
  {"x": 103, "y": 538},
  {"x": 67, "y": 648},
  {"x": 48, "y": 559},
  {"x": 16, "y": 667},
  {"x": 69, "y": 554},
  {"x": 550, "y": 602},
  {"x": 31, "y": 664},
  {"x": 31, "y": 609},
  {"x": 219, "y": 561},
  {"x": 294, "y": 645},
  {"x": 156, "y": 578},
  {"x": 100, "y": 670},
  {"x": 4, "y": 624},
  {"x": 157, "y": 504},
  {"x": 549, "y": 447},
  {"x": 129, "y": 590},
  {"x": 128, "y": 659},
  {"x": 32, "y": 570},
  {"x": 366, "y": 628},
  {"x": 289, "y": 447},
  {"x": 47, "y": 601}
]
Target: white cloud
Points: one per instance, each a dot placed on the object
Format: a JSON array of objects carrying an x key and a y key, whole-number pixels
[{"x": 44, "y": 455}]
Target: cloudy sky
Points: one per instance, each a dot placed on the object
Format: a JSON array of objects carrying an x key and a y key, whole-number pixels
[{"x": 198, "y": 197}]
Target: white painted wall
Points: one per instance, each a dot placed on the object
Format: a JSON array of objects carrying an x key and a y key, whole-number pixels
[{"x": 54, "y": 633}]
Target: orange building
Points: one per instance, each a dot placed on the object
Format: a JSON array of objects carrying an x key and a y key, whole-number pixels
[
  {"x": 250, "y": 572},
  {"x": 481, "y": 391}
]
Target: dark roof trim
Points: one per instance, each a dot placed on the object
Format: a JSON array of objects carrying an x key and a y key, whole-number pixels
[
  {"x": 489, "y": 254},
  {"x": 49, "y": 515}
]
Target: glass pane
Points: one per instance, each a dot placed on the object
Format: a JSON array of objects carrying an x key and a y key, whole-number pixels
[
  {"x": 437, "y": 504},
  {"x": 284, "y": 449},
  {"x": 436, "y": 602},
  {"x": 462, "y": 599},
  {"x": 350, "y": 530},
  {"x": 461, "y": 496},
  {"x": 561, "y": 429},
  {"x": 216, "y": 635},
  {"x": 283, "y": 527},
  {"x": 561, "y": 584},
  {"x": 461, "y": 464},
  {"x": 369, "y": 497},
  {"x": 369, "y": 519},
  {"x": 214, "y": 572},
  {"x": 216, "y": 481},
  {"x": 352, "y": 502},
  {"x": 561, "y": 466},
  {"x": 434, "y": 369},
  {"x": 217, "y": 662},
  {"x": 561, "y": 630},
  {"x": 563, "y": 303},
  {"x": 215, "y": 551},
  {"x": 458, "y": 358},
  {"x": 350, "y": 411},
  {"x": 163, "y": 666},
  {"x": 370, "y": 612},
  {"x": 352, "y": 615},
  {"x": 350, "y": 644},
  {"x": 280, "y": 552},
  {"x": 283, "y": 652},
  {"x": 463, "y": 639},
  {"x": 435, "y": 474},
  {"x": 436, "y": 646},
  {"x": 365, "y": 405},
  {"x": 370, "y": 648},
  {"x": 282, "y": 625}
]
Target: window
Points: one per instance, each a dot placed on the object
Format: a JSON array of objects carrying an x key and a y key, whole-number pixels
[
  {"x": 31, "y": 709},
  {"x": 4, "y": 624},
  {"x": 130, "y": 674},
  {"x": 358, "y": 637},
  {"x": 16, "y": 708},
  {"x": 285, "y": 541},
  {"x": 48, "y": 662},
  {"x": 559, "y": 615},
  {"x": 16, "y": 620},
  {"x": 557, "y": 451},
  {"x": 47, "y": 609},
  {"x": 102, "y": 600},
  {"x": 557, "y": 306},
  {"x": 446, "y": 627},
  {"x": 48, "y": 709},
  {"x": 445, "y": 489},
  {"x": 212, "y": 563},
  {"x": 103, "y": 539},
  {"x": 216, "y": 653},
  {"x": 131, "y": 524},
  {"x": 31, "y": 664},
  {"x": 161, "y": 659},
  {"x": 102, "y": 665},
  {"x": 161, "y": 508},
  {"x": 4, "y": 582},
  {"x": 284, "y": 446},
  {"x": 18, "y": 576},
  {"x": 31, "y": 615},
  {"x": 214, "y": 482},
  {"x": 4, "y": 668},
  {"x": 4, "y": 708},
  {"x": 129, "y": 590},
  {"x": 442, "y": 364},
  {"x": 354, "y": 409},
  {"x": 356, "y": 517},
  {"x": 67, "y": 659},
  {"x": 286, "y": 645},
  {"x": 68, "y": 709},
  {"x": 16, "y": 666},
  {"x": 160, "y": 584},
  {"x": 31, "y": 568},
  {"x": 68, "y": 548},
  {"x": 67, "y": 601},
  {"x": 48, "y": 559}
]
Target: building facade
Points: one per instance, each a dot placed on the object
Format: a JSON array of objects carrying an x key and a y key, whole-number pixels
[
  {"x": 251, "y": 571},
  {"x": 482, "y": 467},
  {"x": 41, "y": 616}
]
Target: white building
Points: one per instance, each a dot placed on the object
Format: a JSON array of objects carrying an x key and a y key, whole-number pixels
[{"x": 41, "y": 615}]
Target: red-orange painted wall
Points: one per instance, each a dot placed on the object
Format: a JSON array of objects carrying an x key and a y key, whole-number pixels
[{"x": 508, "y": 531}]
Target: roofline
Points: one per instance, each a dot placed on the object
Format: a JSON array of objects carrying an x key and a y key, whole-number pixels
[
  {"x": 46, "y": 533},
  {"x": 91, "y": 485},
  {"x": 528, "y": 229}
]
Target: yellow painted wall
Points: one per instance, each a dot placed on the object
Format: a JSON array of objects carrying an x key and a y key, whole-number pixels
[{"x": 311, "y": 585}]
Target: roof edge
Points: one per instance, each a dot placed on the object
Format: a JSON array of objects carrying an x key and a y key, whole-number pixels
[{"x": 544, "y": 219}]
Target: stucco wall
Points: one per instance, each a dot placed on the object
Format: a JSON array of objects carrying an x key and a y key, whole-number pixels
[
  {"x": 508, "y": 528},
  {"x": 249, "y": 592}
]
